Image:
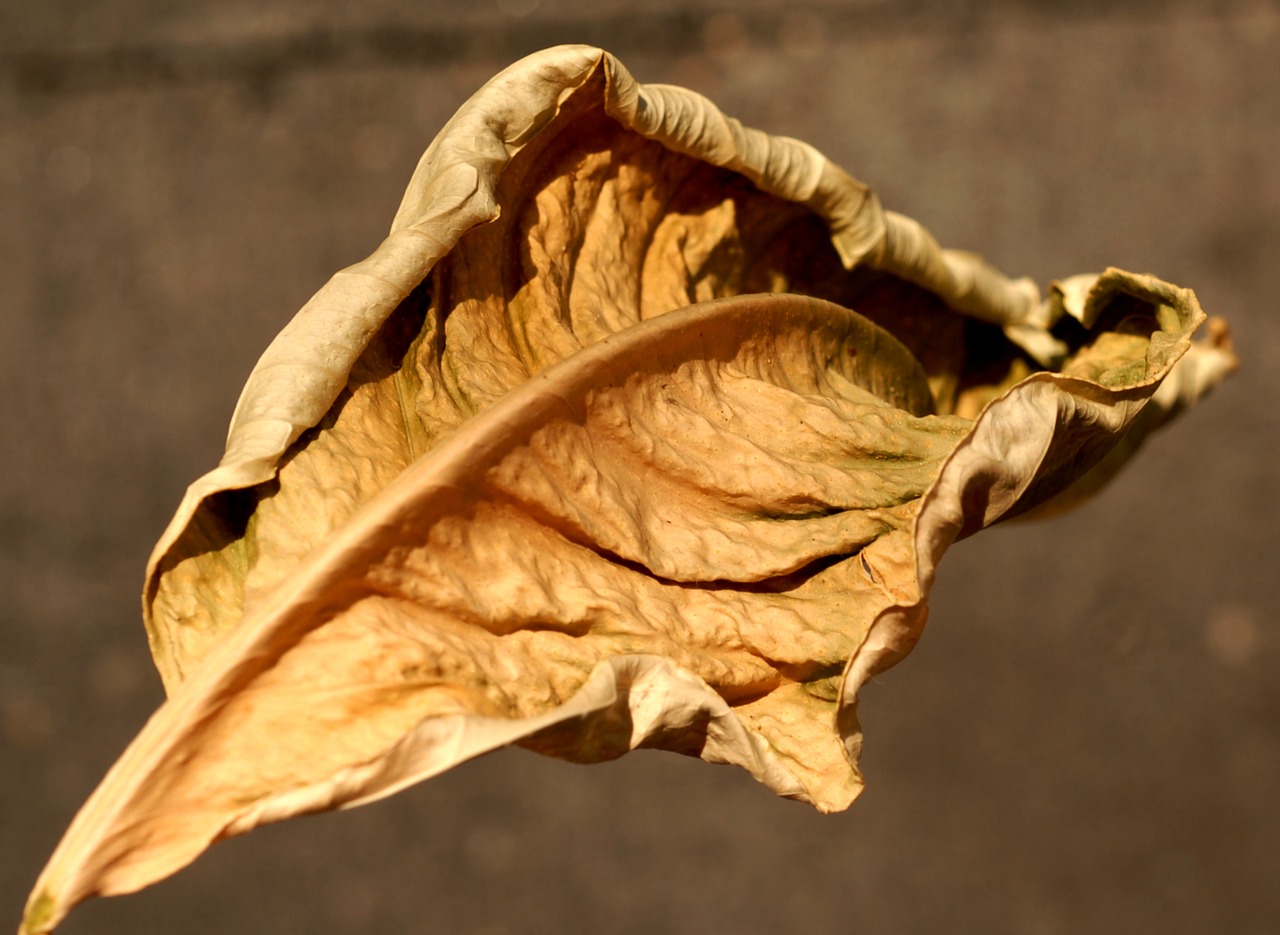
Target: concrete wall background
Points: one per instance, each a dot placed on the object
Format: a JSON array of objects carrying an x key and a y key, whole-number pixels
[{"x": 1087, "y": 738}]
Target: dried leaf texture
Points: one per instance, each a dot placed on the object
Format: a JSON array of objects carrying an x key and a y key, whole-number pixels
[{"x": 546, "y": 470}]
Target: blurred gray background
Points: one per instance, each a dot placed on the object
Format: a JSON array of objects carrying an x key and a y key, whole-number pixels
[{"x": 1087, "y": 738}]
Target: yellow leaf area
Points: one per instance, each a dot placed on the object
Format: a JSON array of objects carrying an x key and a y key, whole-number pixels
[
  {"x": 705, "y": 513},
  {"x": 622, "y": 470}
]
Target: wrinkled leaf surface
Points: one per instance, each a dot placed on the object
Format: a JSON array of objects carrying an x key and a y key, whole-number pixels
[{"x": 592, "y": 454}]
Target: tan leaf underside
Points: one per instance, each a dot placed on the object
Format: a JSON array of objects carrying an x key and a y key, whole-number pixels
[
  {"x": 578, "y": 521},
  {"x": 564, "y": 493}
]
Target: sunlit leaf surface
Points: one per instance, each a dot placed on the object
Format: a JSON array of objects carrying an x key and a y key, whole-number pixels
[{"x": 641, "y": 429}]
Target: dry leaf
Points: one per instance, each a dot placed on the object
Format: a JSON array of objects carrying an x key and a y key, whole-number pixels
[{"x": 591, "y": 454}]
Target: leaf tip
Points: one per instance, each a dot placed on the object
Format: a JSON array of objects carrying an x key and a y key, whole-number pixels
[{"x": 40, "y": 915}]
